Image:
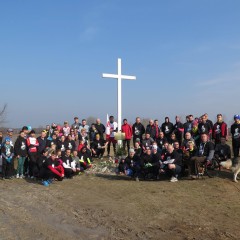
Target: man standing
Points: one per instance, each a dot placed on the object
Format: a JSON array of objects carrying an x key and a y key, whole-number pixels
[
  {"x": 76, "y": 123},
  {"x": 188, "y": 124},
  {"x": 167, "y": 128},
  {"x": 151, "y": 129},
  {"x": 235, "y": 131},
  {"x": 138, "y": 130},
  {"x": 127, "y": 129},
  {"x": 113, "y": 128},
  {"x": 204, "y": 126},
  {"x": 157, "y": 127},
  {"x": 219, "y": 130},
  {"x": 84, "y": 125},
  {"x": 178, "y": 130},
  {"x": 42, "y": 140},
  {"x": 100, "y": 128}
]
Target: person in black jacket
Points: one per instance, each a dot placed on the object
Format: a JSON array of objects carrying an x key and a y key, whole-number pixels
[
  {"x": 172, "y": 163},
  {"x": 85, "y": 158},
  {"x": 204, "y": 126},
  {"x": 222, "y": 150},
  {"x": 98, "y": 146},
  {"x": 20, "y": 150},
  {"x": 42, "y": 140},
  {"x": 151, "y": 129},
  {"x": 61, "y": 145},
  {"x": 235, "y": 131},
  {"x": 133, "y": 162},
  {"x": 167, "y": 128},
  {"x": 69, "y": 169},
  {"x": 138, "y": 130},
  {"x": 70, "y": 143},
  {"x": 149, "y": 164},
  {"x": 100, "y": 128},
  {"x": 205, "y": 154},
  {"x": 1, "y": 139},
  {"x": 52, "y": 141}
]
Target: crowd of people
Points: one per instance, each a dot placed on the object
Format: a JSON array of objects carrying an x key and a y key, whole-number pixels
[{"x": 170, "y": 148}]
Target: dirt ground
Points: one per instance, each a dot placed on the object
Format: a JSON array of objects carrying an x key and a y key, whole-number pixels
[{"x": 102, "y": 206}]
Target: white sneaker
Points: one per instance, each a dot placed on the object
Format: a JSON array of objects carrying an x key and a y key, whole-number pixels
[
  {"x": 17, "y": 176},
  {"x": 173, "y": 179},
  {"x": 21, "y": 176}
]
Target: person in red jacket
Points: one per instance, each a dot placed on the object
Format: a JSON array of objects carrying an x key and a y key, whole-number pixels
[
  {"x": 127, "y": 129},
  {"x": 51, "y": 168},
  {"x": 219, "y": 130}
]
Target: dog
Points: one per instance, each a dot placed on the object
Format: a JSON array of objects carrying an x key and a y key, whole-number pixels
[{"x": 235, "y": 169}]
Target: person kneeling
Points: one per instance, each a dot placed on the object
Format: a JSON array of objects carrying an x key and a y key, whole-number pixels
[
  {"x": 132, "y": 165},
  {"x": 50, "y": 169},
  {"x": 70, "y": 167},
  {"x": 85, "y": 158}
]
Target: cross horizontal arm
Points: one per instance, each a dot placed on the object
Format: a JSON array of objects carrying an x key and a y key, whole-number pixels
[
  {"x": 107, "y": 75},
  {"x": 128, "y": 77}
]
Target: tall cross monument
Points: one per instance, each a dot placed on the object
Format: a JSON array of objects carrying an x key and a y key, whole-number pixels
[{"x": 119, "y": 77}]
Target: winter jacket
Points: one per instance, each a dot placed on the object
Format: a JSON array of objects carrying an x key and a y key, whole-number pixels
[
  {"x": 20, "y": 147},
  {"x": 127, "y": 129}
]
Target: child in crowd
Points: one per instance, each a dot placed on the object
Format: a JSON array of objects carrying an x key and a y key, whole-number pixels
[{"x": 7, "y": 153}]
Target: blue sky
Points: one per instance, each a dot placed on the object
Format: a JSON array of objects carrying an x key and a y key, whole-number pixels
[{"x": 185, "y": 54}]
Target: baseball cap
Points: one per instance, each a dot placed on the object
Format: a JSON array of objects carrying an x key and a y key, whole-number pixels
[
  {"x": 236, "y": 116},
  {"x": 10, "y": 130},
  {"x": 7, "y": 139}
]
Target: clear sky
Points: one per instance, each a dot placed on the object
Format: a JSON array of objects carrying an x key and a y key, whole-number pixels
[{"x": 185, "y": 54}]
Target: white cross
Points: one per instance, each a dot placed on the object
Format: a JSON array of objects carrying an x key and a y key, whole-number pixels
[{"x": 119, "y": 77}]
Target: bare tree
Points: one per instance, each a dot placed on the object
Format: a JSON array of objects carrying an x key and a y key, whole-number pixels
[
  {"x": 91, "y": 120},
  {"x": 145, "y": 121},
  {"x": 3, "y": 115}
]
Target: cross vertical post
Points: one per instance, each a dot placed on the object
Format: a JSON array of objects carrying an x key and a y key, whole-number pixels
[{"x": 119, "y": 78}]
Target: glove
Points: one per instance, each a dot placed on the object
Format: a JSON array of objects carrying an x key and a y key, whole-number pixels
[{"x": 148, "y": 165}]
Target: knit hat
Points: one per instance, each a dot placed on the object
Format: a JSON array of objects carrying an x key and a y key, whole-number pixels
[
  {"x": 131, "y": 150},
  {"x": 7, "y": 139}
]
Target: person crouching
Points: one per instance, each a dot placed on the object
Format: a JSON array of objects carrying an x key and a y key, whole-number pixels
[
  {"x": 70, "y": 166},
  {"x": 85, "y": 158},
  {"x": 172, "y": 163},
  {"x": 50, "y": 169}
]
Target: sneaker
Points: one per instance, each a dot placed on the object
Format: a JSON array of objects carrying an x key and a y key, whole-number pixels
[
  {"x": 137, "y": 179},
  {"x": 21, "y": 176},
  {"x": 45, "y": 183},
  {"x": 173, "y": 179},
  {"x": 17, "y": 176},
  {"x": 193, "y": 177},
  {"x": 50, "y": 181}
]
